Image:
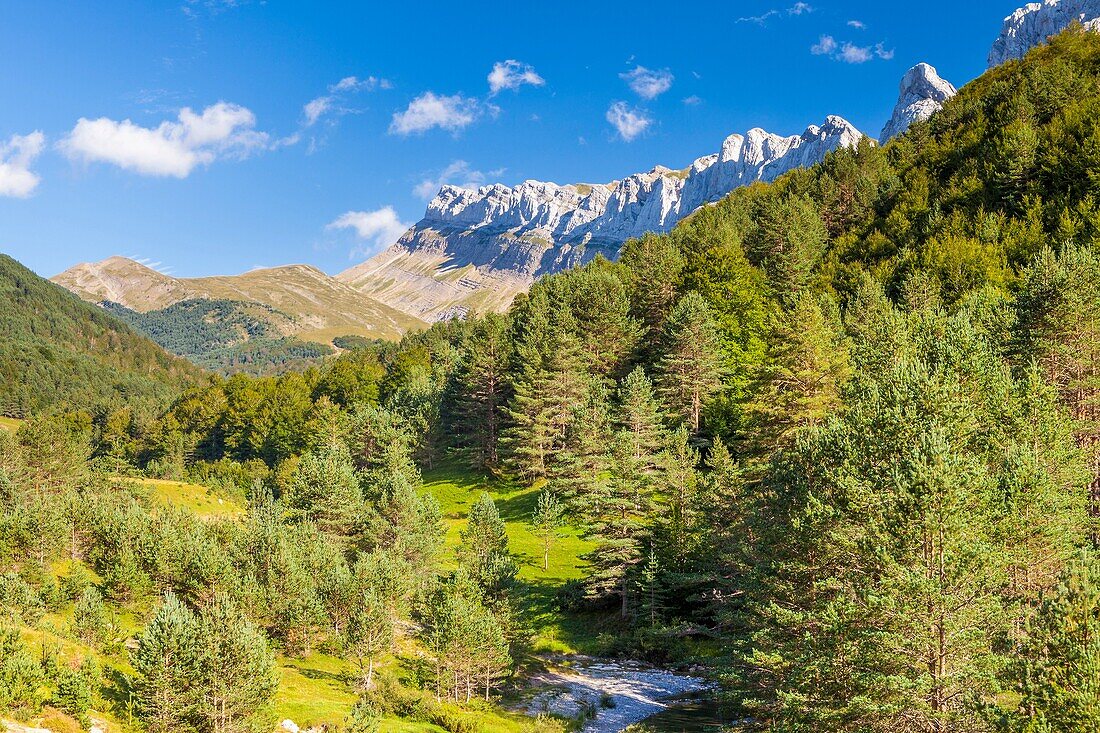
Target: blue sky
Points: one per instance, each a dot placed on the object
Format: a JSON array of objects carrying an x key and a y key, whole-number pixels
[{"x": 213, "y": 136}]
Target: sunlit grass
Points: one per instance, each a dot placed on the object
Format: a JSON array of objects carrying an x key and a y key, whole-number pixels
[
  {"x": 9, "y": 423},
  {"x": 199, "y": 500},
  {"x": 456, "y": 489}
]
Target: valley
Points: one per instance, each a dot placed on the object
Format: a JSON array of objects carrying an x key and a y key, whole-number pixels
[{"x": 802, "y": 437}]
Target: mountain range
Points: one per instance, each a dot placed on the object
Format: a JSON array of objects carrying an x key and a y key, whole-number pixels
[
  {"x": 475, "y": 250},
  {"x": 306, "y": 302}
]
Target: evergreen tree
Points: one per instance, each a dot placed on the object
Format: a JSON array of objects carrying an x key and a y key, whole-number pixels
[
  {"x": 879, "y": 594},
  {"x": 1056, "y": 672},
  {"x": 166, "y": 662},
  {"x": 465, "y": 640},
  {"x": 403, "y": 520},
  {"x": 639, "y": 420},
  {"x": 75, "y": 689},
  {"x": 325, "y": 491},
  {"x": 369, "y": 633},
  {"x": 689, "y": 373},
  {"x": 484, "y": 389},
  {"x": 607, "y": 332},
  {"x": 90, "y": 622},
  {"x": 531, "y": 434},
  {"x": 618, "y": 522},
  {"x": 237, "y": 673},
  {"x": 484, "y": 549},
  {"x": 806, "y": 370},
  {"x": 548, "y": 384},
  {"x": 1058, "y": 311},
  {"x": 582, "y": 460},
  {"x": 20, "y": 675},
  {"x": 654, "y": 265},
  {"x": 787, "y": 241},
  {"x": 546, "y": 521}
]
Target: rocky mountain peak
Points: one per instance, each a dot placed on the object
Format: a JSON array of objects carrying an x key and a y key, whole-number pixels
[
  {"x": 921, "y": 93},
  {"x": 1034, "y": 23},
  {"x": 478, "y": 248}
]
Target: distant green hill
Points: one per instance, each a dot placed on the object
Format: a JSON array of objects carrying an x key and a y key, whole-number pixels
[
  {"x": 226, "y": 336},
  {"x": 56, "y": 350}
]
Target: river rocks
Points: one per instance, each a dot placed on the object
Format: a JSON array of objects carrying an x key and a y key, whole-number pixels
[
  {"x": 921, "y": 94},
  {"x": 1034, "y": 23},
  {"x": 617, "y": 694}
]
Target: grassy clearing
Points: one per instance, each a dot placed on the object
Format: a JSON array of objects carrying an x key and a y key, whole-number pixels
[
  {"x": 199, "y": 500},
  {"x": 314, "y": 691},
  {"x": 10, "y": 424},
  {"x": 456, "y": 489}
]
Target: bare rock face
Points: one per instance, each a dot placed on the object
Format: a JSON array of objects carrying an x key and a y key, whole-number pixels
[
  {"x": 921, "y": 94},
  {"x": 478, "y": 249},
  {"x": 1034, "y": 23}
]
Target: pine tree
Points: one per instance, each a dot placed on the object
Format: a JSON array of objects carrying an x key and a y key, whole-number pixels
[
  {"x": 90, "y": 621},
  {"x": 607, "y": 332},
  {"x": 464, "y": 638},
  {"x": 654, "y": 265},
  {"x": 1056, "y": 673},
  {"x": 582, "y": 460},
  {"x": 530, "y": 436},
  {"x": 1058, "y": 312},
  {"x": 690, "y": 369},
  {"x": 325, "y": 491},
  {"x": 484, "y": 549},
  {"x": 403, "y": 520},
  {"x": 882, "y": 559},
  {"x": 75, "y": 689},
  {"x": 369, "y": 633},
  {"x": 166, "y": 663},
  {"x": 237, "y": 670},
  {"x": 484, "y": 389},
  {"x": 20, "y": 675},
  {"x": 806, "y": 370},
  {"x": 618, "y": 522},
  {"x": 546, "y": 521},
  {"x": 640, "y": 421}
]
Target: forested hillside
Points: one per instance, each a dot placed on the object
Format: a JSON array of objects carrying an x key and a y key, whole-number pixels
[
  {"x": 226, "y": 336},
  {"x": 834, "y": 438},
  {"x": 56, "y": 350}
]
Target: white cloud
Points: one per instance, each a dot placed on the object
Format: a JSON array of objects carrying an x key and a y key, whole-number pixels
[
  {"x": 170, "y": 149},
  {"x": 458, "y": 173},
  {"x": 16, "y": 156},
  {"x": 693, "y": 100},
  {"x": 648, "y": 83},
  {"x": 430, "y": 110},
  {"x": 857, "y": 24},
  {"x": 848, "y": 52},
  {"x": 851, "y": 54},
  {"x": 315, "y": 108},
  {"x": 337, "y": 93},
  {"x": 799, "y": 8},
  {"x": 378, "y": 229},
  {"x": 825, "y": 45},
  {"x": 629, "y": 123},
  {"x": 512, "y": 74}
]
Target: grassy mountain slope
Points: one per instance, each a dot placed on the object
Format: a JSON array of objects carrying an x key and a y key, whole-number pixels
[
  {"x": 319, "y": 307},
  {"x": 56, "y": 349}
]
